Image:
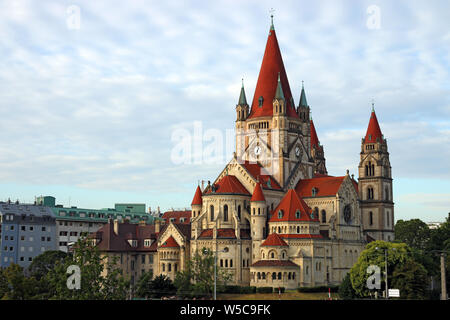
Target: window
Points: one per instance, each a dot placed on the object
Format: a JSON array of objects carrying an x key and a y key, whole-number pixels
[
  {"x": 143, "y": 259},
  {"x": 211, "y": 212},
  {"x": 314, "y": 192},
  {"x": 150, "y": 258},
  {"x": 22, "y": 228},
  {"x": 297, "y": 214},
  {"x": 31, "y": 228},
  {"x": 324, "y": 216},
  {"x": 225, "y": 213},
  {"x": 260, "y": 101},
  {"x": 169, "y": 267},
  {"x": 43, "y": 228},
  {"x": 370, "y": 218},
  {"x": 370, "y": 193},
  {"x": 239, "y": 212},
  {"x": 280, "y": 214}
]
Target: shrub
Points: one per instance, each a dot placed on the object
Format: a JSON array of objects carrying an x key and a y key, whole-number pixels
[
  {"x": 264, "y": 290},
  {"x": 319, "y": 289},
  {"x": 248, "y": 290}
]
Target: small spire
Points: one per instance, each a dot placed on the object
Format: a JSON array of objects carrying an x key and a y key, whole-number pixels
[
  {"x": 271, "y": 18},
  {"x": 303, "y": 102},
  {"x": 279, "y": 93},
  {"x": 373, "y": 105},
  {"x": 242, "y": 99}
]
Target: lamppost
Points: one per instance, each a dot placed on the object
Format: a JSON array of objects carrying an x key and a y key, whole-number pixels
[
  {"x": 386, "y": 268},
  {"x": 215, "y": 271}
]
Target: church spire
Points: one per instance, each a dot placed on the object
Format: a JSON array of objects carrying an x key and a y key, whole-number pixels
[
  {"x": 314, "y": 138},
  {"x": 373, "y": 133},
  {"x": 303, "y": 102},
  {"x": 279, "y": 93},
  {"x": 242, "y": 98},
  {"x": 266, "y": 87}
]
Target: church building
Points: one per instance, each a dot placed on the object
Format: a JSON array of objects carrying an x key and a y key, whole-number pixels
[{"x": 274, "y": 216}]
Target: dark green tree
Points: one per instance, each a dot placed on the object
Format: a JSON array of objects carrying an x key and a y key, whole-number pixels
[
  {"x": 143, "y": 286},
  {"x": 15, "y": 285},
  {"x": 415, "y": 233},
  {"x": 45, "y": 262},
  {"x": 161, "y": 286},
  {"x": 346, "y": 291},
  {"x": 411, "y": 279}
]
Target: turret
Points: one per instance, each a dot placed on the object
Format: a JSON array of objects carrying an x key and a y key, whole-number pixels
[
  {"x": 258, "y": 213},
  {"x": 242, "y": 107},
  {"x": 279, "y": 101},
  {"x": 303, "y": 108},
  {"x": 197, "y": 203}
]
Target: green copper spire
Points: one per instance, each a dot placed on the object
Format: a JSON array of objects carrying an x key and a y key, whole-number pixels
[
  {"x": 279, "y": 93},
  {"x": 303, "y": 102},
  {"x": 242, "y": 98}
]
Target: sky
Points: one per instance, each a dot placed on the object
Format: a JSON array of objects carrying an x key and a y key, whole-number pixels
[{"x": 94, "y": 93}]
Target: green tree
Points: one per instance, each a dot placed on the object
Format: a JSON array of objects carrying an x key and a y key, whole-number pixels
[
  {"x": 143, "y": 286},
  {"x": 15, "y": 285},
  {"x": 3, "y": 284},
  {"x": 374, "y": 255},
  {"x": 45, "y": 262},
  {"x": 346, "y": 291},
  {"x": 411, "y": 279},
  {"x": 415, "y": 233},
  {"x": 198, "y": 276},
  {"x": 161, "y": 286},
  {"x": 94, "y": 283}
]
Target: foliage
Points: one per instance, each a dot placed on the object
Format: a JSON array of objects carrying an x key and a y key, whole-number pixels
[
  {"x": 411, "y": 279},
  {"x": 160, "y": 286},
  {"x": 415, "y": 233},
  {"x": 143, "y": 285},
  {"x": 198, "y": 277},
  {"x": 346, "y": 291},
  {"x": 14, "y": 285},
  {"x": 374, "y": 254},
  {"x": 94, "y": 283},
  {"x": 264, "y": 289},
  {"x": 331, "y": 288},
  {"x": 45, "y": 262}
]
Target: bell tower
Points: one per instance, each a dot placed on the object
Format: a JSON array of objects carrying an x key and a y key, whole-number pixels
[{"x": 375, "y": 184}]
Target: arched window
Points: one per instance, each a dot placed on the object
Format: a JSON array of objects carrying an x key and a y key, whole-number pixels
[
  {"x": 274, "y": 276},
  {"x": 370, "y": 218},
  {"x": 211, "y": 211},
  {"x": 259, "y": 211},
  {"x": 279, "y": 275},
  {"x": 280, "y": 214},
  {"x": 221, "y": 263},
  {"x": 279, "y": 229},
  {"x": 225, "y": 213},
  {"x": 164, "y": 267},
  {"x": 259, "y": 275},
  {"x": 260, "y": 101},
  {"x": 226, "y": 263},
  {"x": 264, "y": 276},
  {"x": 297, "y": 214},
  {"x": 272, "y": 255},
  {"x": 239, "y": 212},
  {"x": 298, "y": 229},
  {"x": 316, "y": 212},
  {"x": 386, "y": 193},
  {"x": 324, "y": 216},
  {"x": 369, "y": 193},
  {"x": 231, "y": 263}
]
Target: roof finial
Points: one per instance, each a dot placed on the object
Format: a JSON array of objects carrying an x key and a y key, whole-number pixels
[
  {"x": 373, "y": 105},
  {"x": 242, "y": 82},
  {"x": 302, "y": 84},
  {"x": 271, "y": 18}
]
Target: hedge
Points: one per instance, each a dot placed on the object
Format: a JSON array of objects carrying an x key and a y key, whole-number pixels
[
  {"x": 282, "y": 289},
  {"x": 264, "y": 290},
  {"x": 318, "y": 289}
]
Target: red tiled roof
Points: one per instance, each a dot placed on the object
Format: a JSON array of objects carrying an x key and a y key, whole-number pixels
[
  {"x": 197, "y": 197},
  {"x": 325, "y": 186},
  {"x": 289, "y": 205},
  {"x": 274, "y": 240},
  {"x": 177, "y": 215},
  {"x": 170, "y": 243},
  {"x": 258, "y": 195},
  {"x": 373, "y": 130},
  {"x": 110, "y": 241},
  {"x": 274, "y": 263},
  {"x": 259, "y": 173},
  {"x": 225, "y": 233},
  {"x": 301, "y": 236},
  {"x": 314, "y": 138},
  {"x": 228, "y": 184},
  {"x": 271, "y": 66}
]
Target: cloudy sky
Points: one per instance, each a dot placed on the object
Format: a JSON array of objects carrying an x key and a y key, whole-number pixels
[{"x": 92, "y": 92}]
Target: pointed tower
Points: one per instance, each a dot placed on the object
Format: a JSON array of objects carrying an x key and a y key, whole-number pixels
[
  {"x": 258, "y": 214},
  {"x": 303, "y": 108},
  {"x": 375, "y": 184},
  {"x": 273, "y": 133},
  {"x": 242, "y": 111},
  {"x": 197, "y": 203},
  {"x": 317, "y": 152}
]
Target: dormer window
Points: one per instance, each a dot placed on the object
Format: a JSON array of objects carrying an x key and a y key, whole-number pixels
[
  {"x": 133, "y": 243},
  {"x": 147, "y": 242},
  {"x": 260, "y": 101},
  {"x": 280, "y": 214},
  {"x": 314, "y": 191},
  {"x": 297, "y": 214}
]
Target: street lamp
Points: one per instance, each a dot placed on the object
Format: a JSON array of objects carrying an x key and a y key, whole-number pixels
[
  {"x": 215, "y": 271},
  {"x": 386, "y": 269}
]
